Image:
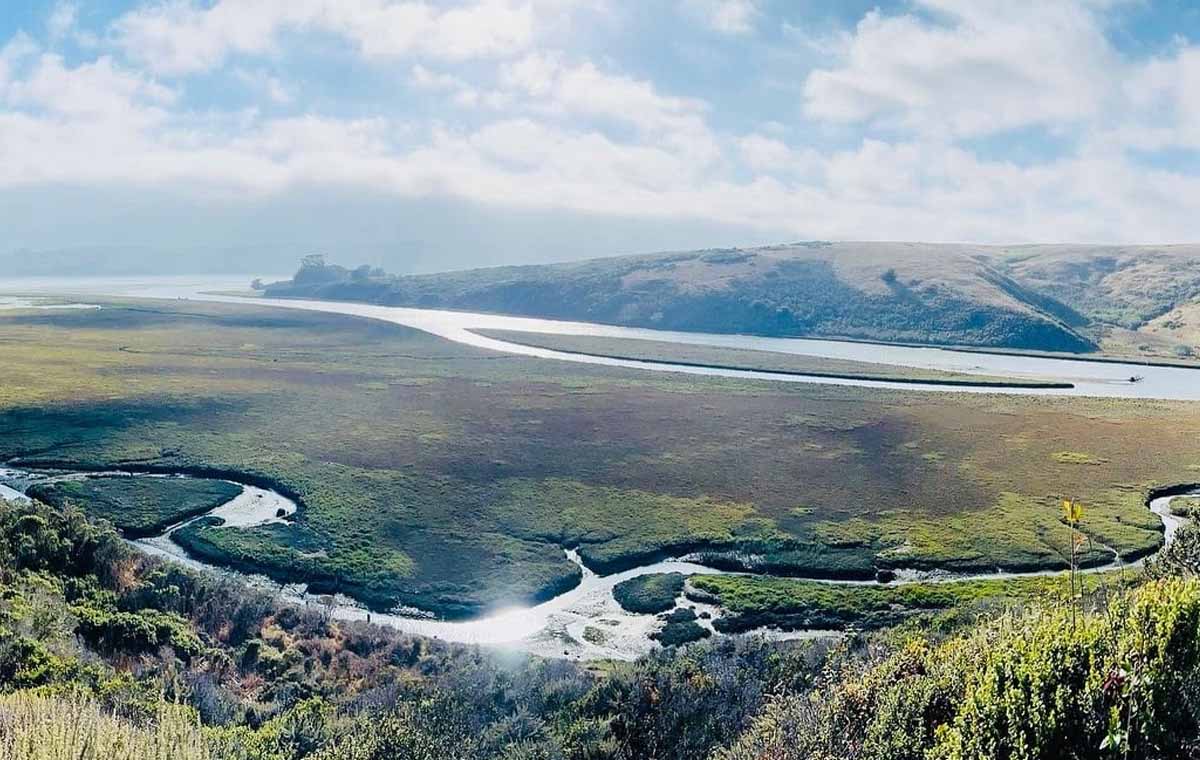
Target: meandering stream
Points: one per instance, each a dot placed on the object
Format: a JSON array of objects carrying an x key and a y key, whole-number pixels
[{"x": 583, "y": 623}]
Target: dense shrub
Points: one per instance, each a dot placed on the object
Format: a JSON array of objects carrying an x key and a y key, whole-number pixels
[
  {"x": 1044, "y": 684},
  {"x": 433, "y": 731},
  {"x": 1180, "y": 558}
]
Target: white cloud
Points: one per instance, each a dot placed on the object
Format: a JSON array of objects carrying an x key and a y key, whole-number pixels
[
  {"x": 13, "y": 53},
  {"x": 264, "y": 83},
  {"x": 1161, "y": 98},
  {"x": 583, "y": 90},
  {"x": 97, "y": 90},
  {"x": 983, "y": 66},
  {"x": 119, "y": 136},
  {"x": 462, "y": 93},
  {"x": 553, "y": 130},
  {"x": 768, "y": 155},
  {"x": 726, "y": 16},
  {"x": 62, "y": 19},
  {"x": 181, "y": 37}
]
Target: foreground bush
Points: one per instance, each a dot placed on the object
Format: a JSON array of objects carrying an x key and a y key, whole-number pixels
[
  {"x": 45, "y": 728},
  {"x": 1120, "y": 682}
]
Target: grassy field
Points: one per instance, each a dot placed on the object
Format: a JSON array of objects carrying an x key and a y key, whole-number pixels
[
  {"x": 740, "y": 358},
  {"x": 139, "y": 506},
  {"x": 755, "y": 601},
  {"x": 450, "y": 478}
]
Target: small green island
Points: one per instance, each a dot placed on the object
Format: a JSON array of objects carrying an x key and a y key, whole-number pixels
[{"x": 139, "y": 506}]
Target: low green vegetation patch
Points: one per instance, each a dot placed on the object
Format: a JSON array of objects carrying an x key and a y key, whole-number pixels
[
  {"x": 1076, "y": 457},
  {"x": 86, "y": 674},
  {"x": 1186, "y": 507},
  {"x": 106, "y": 652},
  {"x": 649, "y": 594},
  {"x": 757, "y": 601},
  {"x": 139, "y": 506},
  {"x": 680, "y": 627}
]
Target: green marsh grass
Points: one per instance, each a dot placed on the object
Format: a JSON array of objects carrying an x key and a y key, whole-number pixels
[{"x": 451, "y": 478}]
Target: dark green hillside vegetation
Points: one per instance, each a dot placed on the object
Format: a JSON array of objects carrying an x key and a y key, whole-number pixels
[
  {"x": 451, "y": 478},
  {"x": 890, "y": 292},
  {"x": 139, "y": 506},
  {"x": 1122, "y": 300},
  {"x": 1122, "y": 286}
]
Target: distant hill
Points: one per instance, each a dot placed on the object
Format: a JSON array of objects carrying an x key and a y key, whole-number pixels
[{"x": 1120, "y": 299}]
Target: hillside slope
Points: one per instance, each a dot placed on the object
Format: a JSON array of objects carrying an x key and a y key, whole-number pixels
[{"x": 1049, "y": 298}]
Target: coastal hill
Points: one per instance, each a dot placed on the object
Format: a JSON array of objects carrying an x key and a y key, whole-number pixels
[{"x": 1123, "y": 300}]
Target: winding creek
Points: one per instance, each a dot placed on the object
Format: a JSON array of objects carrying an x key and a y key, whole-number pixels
[
  {"x": 586, "y": 622},
  {"x": 583, "y": 623}
]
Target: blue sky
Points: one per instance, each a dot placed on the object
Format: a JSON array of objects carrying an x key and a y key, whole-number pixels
[{"x": 427, "y": 135}]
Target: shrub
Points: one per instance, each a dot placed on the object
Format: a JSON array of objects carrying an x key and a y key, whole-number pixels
[
  {"x": 1180, "y": 558},
  {"x": 681, "y": 628},
  {"x": 43, "y": 728},
  {"x": 433, "y": 731},
  {"x": 1034, "y": 685}
]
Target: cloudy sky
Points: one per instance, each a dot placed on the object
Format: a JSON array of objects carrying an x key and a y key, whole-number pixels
[{"x": 428, "y": 134}]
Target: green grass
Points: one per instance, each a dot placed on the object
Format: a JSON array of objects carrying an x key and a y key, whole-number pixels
[
  {"x": 649, "y": 593},
  {"x": 1185, "y": 507},
  {"x": 754, "y": 601},
  {"x": 1075, "y": 457},
  {"x": 451, "y": 478},
  {"x": 139, "y": 506}
]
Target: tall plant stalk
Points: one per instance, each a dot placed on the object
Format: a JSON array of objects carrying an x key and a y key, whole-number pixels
[{"x": 1072, "y": 514}]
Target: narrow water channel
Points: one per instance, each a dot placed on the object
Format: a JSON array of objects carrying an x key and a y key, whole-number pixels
[{"x": 584, "y": 623}]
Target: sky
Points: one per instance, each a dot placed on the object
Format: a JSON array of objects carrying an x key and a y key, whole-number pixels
[{"x": 427, "y": 135}]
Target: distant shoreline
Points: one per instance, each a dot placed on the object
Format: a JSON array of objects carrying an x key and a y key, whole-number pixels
[
  {"x": 958, "y": 348},
  {"x": 1033, "y": 384}
]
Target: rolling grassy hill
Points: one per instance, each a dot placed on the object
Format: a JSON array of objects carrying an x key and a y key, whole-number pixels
[{"x": 1135, "y": 300}]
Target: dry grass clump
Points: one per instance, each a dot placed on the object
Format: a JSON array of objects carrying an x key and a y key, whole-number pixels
[{"x": 35, "y": 727}]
